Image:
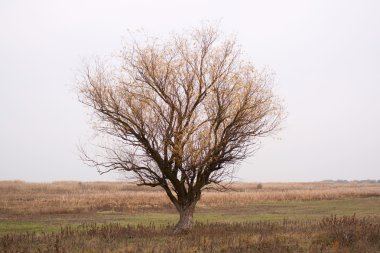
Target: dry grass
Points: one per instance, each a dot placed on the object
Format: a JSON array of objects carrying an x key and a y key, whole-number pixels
[
  {"x": 334, "y": 234},
  {"x": 17, "y": 197},
  {"x": 30, "y": 216}
]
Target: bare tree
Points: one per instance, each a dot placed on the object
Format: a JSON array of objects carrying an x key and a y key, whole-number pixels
[{"x": 180, "y": 114}]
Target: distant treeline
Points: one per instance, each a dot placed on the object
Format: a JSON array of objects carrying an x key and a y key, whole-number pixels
[{"x": 366, "y": 181}]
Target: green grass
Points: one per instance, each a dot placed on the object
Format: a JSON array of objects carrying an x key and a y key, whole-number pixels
[
  {"x": 24, "y": 226},
  {"x": 262, "y": 211}
]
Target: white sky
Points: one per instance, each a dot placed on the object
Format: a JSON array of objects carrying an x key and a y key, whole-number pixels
[{"x": 326, "y": 55}]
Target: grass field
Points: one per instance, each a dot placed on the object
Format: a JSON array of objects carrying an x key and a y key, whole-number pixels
[{"x": 120, "y": 217}]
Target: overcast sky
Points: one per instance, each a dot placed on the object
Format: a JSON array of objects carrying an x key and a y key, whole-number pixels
[{"x": 326, "y": 55}]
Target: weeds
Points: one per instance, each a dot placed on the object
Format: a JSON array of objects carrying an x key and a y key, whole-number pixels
[
  {"x": 348, "y": 234},
  {"x": 331, "y": 234}
]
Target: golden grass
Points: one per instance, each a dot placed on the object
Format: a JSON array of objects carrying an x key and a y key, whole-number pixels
[{"x": 17, "y": 197}]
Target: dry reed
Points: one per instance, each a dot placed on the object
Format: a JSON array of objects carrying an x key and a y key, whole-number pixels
[{"x": 17, "y": 197}]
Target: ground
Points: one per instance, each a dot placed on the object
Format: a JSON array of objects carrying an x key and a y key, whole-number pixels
[{"x": 120, "y": 217}]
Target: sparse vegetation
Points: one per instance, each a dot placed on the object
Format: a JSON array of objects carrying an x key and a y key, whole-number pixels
[{"x": 335, "y": 234}]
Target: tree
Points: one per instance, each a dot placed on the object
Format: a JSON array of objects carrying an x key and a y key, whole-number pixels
[{"x": 179, "y": 114}]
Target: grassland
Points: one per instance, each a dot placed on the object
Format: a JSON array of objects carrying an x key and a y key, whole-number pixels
[{"x": 120, "y": 217}]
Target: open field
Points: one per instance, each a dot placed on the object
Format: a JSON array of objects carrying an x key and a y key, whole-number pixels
[{"x": 280, "y": 217}]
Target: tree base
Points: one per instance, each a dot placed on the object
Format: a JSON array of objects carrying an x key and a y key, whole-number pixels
[
  {"x": 182, "y": 228},
  {"x": 185, "y": 223}
]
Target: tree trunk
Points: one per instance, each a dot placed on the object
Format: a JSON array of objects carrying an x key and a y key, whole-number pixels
[{"x": 185, "y": 223}]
